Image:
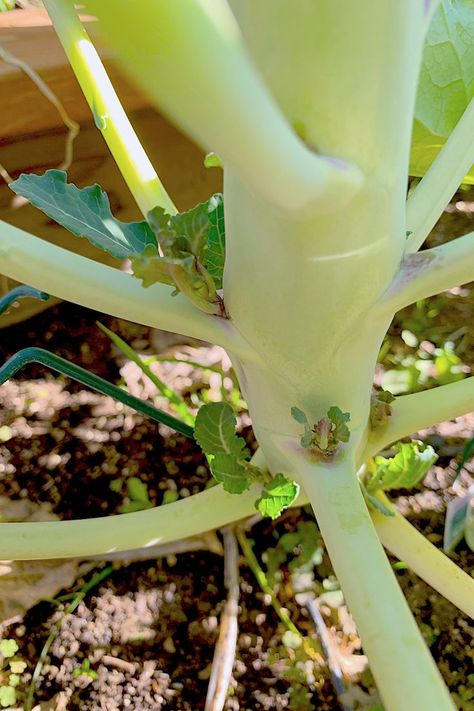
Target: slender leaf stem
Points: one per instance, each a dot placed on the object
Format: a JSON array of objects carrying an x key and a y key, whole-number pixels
[
  {"x": 176, "y": 402},
  {"x": 430, "y": 272},
  {"x": 20, "y": 292},
  {"x": 83, "y": 281},
  {"x": 39, "y": 355},
  {"x": 109, "y": 116},
  {"x": 261, "y": 579},
  {"x": 411, "y": 413},
  {"x": 427, "y": 202},
  {"x": 220, "y": 100},
  {"x": 427, "y": 561}
]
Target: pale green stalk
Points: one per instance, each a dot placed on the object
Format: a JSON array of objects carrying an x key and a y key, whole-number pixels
[
  {"x": 69, "y": 276},
  {"x": 411, "y": 413},
  {"x": 429, "y": 563},
  {"x": 390, "y": 636},
  {"x": 109, "y": 116},
  {"x": 433, "y": 270},
  {"x": 427, "y": 202},
  {"x": 190, "y": 517},
  {"x": 219, "y": 98}
]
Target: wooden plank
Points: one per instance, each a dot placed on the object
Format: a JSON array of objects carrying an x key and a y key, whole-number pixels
[
  {"x": 180, "y": 163},
  {"x": 28, "y": 35}
]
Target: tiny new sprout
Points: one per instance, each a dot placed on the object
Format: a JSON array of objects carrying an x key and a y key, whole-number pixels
[{"x": 324, "y": 437}]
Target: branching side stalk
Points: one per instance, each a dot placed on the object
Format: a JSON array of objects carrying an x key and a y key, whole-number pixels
[
  {"x": 69, "y": 276},
  {"x": 109, "y": 116},
  {"x": 407, "y": 544},
  {"x": 427, "y": 202}
]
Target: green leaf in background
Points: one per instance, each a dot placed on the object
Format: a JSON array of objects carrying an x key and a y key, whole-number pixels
[
  {"x": 405, "y": 469},
  {"x": 277, "y": 495},
  {"x": 455, "y": 521},
  {"x": 138, "y": 494},
  {"x": 7, "y": 696},
  {"x": 228, "y": 471},
  {"x": 215, "y": 431},
  {"x": 6, "y": 5},
  {"x": 85, "y": 212},
  {"x": 8, "y": 647},
  {"x": 214, "y": 255},
  {"x": 446, "y": 83}
]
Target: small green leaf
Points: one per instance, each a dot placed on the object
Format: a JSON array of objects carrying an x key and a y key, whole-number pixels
[
  {"x": 169, "y": 497},
  {"x": 227, "y": 470},
  {"x": 214, "y": 255},
  {"x": 13, "y": 680},
  {"x": 380, "y": 409},
  {"x": 133, "y": 506},
  {"x": 277, "y": 495},
  {"x": 299, "y": 416},
  {"x": 307, "y": 439},
  {"x": 212, "y": 160},
  {"x": 341, "y": 432},
  {"x": 151, "y": 268},
  {"x": 215, "y": 430},
  {"x": 7, "y": 696},
  {"x": 405, "y": 469},
  {"x": 85, "y": 212},
  {"x": 8, "y": 647},
  {"x": 137, "y": 490}
]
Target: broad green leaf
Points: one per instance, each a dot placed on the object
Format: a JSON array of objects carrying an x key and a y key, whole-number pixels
[
  {"x": 277, "y": 495},
  {"x": 299, "y": 416},
  {"x": 85, "y": 212},
  {"x": 446, "y": 82},
  {"x": 227, "y": 470},
  {"x": 215, "y": 430},
  {"x": 8, "y": 647},
  {"x": 214, "y": 255},
  {"x": 405, "y": 469}
]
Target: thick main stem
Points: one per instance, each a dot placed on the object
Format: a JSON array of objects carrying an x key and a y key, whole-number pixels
[{"x": 401, "y": 663}]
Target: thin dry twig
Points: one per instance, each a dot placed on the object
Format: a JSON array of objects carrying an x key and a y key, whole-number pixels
[
  {"x": 328, "y": 651},
  {"x": 224, "y": 653},
  {"x": 72, "y": 126}
]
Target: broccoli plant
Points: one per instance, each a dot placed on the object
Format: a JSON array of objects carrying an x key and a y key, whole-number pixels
[{"x": 297, "y": 270}]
